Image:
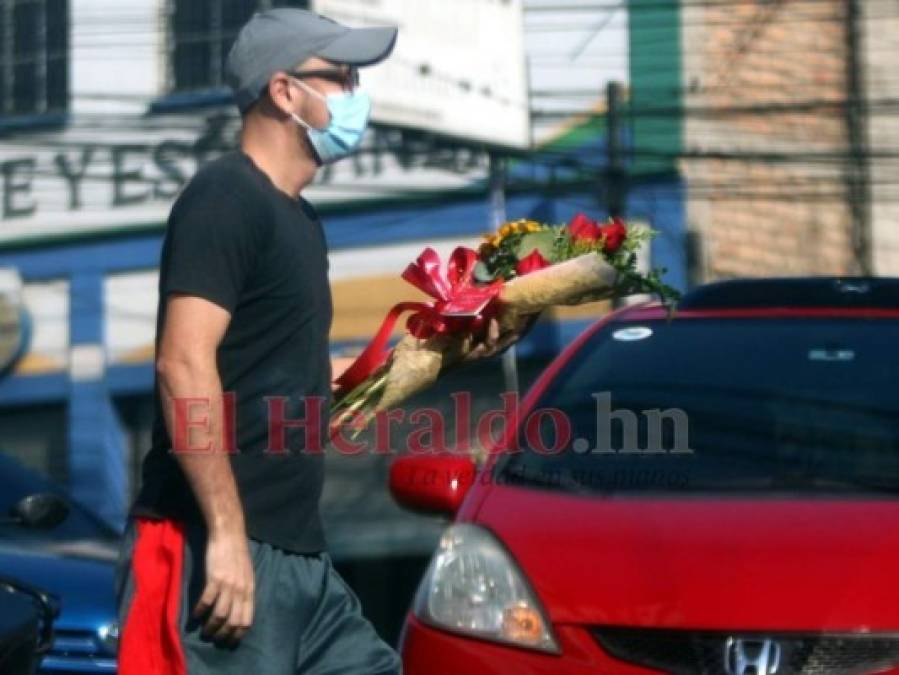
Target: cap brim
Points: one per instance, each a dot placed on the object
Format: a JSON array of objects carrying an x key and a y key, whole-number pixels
[{"x": 361, "y": 46}]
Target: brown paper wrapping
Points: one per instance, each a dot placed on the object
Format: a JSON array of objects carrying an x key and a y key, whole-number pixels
[
  {"x": 583, "y": 279},
  {"x": 416, "y": 364}
]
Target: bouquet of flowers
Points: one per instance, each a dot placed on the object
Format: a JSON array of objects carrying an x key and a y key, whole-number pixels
[{"x": 517, "y": 272}]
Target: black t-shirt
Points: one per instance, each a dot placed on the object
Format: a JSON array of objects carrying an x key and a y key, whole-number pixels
[{"x": 236, "y": 240}]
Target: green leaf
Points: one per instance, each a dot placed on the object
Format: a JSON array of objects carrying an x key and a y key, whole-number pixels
[
  {"x": 482, "y": 273},
  {"x": 542, "y": 240}
]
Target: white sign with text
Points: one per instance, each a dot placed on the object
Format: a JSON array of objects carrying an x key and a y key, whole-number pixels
[{"x": 458, "y": 68}]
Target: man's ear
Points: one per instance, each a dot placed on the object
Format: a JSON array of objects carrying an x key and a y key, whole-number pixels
[{"x": 281, "y": 94}]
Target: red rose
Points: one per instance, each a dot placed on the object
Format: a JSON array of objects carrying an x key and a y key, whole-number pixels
[
  {"x": 615, "y": 234},
  {"x": 583, "y": 229},
  {"x": 532, "y": 262}
]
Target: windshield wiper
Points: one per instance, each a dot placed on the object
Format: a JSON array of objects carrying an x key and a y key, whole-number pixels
[
  {"x": 562, "y": 480},
  {"x": 858, "y": 485}
]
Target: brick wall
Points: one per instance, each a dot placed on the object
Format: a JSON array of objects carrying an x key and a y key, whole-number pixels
[
  {"x": 779, "y": 208},
  {"x": 881, "y": 49}
]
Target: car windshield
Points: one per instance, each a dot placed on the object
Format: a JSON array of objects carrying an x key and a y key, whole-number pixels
[{"x": 720, "y": 405}]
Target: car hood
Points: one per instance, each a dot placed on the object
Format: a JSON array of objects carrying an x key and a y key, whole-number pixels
[
  {"x": 80, "y": 574},
  {"x": 784, "y": 563}
]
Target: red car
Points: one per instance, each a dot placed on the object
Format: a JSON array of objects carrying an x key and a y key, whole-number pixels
[{"x": 717, "y": 492}]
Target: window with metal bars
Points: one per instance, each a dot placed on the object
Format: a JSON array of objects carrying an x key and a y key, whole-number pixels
[
  {"x": 34, "y": 57},
  {"x": 201, "y": 34}
]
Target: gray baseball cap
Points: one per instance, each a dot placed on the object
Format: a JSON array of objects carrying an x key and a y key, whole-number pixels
[{"x": 282, "y": 38}]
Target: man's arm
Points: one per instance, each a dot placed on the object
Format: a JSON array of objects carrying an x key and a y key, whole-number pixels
[{"x": 186, "y": 367}]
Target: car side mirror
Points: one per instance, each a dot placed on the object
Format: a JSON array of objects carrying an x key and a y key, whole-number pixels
[
  {"x": 41, "y": 511},
  {"x": 434, "y": 484}
]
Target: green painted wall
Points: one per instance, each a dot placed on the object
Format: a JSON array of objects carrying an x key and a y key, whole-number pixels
[{"x": 656, "y": 84}]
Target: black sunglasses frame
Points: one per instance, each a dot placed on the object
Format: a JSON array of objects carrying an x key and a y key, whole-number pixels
[{"x": 347, "y": 78}]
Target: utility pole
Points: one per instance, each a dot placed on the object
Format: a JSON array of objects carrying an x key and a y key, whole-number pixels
[
  {"x": 858, "y": 177},
  {"x": 498, "y": 217},
  {"x": 615, "y": 175}
]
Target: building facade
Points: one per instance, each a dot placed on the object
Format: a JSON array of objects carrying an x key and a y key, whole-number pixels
[{"x": 787, "y": 129}]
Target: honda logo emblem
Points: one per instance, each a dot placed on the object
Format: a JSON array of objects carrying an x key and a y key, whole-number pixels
[{"x": 748, "y": 656}]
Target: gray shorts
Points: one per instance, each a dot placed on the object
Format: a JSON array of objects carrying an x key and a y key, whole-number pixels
[{"x": 307, "y": 620}]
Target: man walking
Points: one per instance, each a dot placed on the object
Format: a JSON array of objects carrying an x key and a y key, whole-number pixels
[{"x": 223, "y": 568}]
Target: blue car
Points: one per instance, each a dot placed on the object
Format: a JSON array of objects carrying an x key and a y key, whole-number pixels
[{"x": 75, "y": 562}]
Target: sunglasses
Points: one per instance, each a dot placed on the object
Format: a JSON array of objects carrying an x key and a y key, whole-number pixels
[{"x": 348, "y": 79}]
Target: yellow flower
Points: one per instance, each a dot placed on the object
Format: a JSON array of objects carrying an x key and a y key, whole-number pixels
[{"x": 520, "y": 226}]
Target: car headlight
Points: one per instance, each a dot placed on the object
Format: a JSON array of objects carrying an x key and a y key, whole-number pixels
[
  {"x": 473, "y": 586},
  {"x": 109, "y": 637}
]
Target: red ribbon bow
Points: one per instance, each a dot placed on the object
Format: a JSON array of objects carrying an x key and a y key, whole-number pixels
[{"x": 459, "y": 306}]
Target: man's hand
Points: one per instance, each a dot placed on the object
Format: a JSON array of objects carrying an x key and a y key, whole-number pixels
[
  {"x": 228, "y": 598},
  {"x": 338, "y": 365},
  {"x": 494, "y": 343}
]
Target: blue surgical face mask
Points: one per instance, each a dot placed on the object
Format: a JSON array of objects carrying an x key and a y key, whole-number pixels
[{"x": 349, "y": 119}]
